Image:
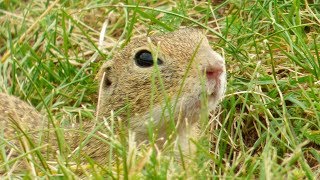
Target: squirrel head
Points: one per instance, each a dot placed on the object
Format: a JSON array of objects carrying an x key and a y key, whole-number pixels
[{"x": 156, "y": 75}]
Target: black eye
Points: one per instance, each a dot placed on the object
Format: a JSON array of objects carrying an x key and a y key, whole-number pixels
[{"x": 144, "y": 58}]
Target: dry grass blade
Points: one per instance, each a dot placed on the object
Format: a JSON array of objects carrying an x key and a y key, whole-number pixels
[{"x": 29, "y": 30}]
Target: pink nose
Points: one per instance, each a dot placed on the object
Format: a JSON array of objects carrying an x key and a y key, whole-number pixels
[{"x": 213, "y": 72}]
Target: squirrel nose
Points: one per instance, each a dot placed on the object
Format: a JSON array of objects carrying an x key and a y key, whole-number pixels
[
  {"x": 213, "y": 69},
  {"x": 211, "y": 63}
]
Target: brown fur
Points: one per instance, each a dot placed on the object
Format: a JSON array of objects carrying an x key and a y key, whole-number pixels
[
  {"x": 186, "y": 57},
  {"x": 130, "y": 84}
]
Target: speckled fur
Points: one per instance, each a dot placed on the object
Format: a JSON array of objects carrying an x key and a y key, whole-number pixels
[
  {"x": 131, "y": 85},
  {"x": 15, "y": 114},
  {"x": 18, "y": 117},
  {"x": 124, "y": 83}
]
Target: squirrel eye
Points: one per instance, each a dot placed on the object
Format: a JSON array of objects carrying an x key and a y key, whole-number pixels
[{"x": 144, "y": 58}]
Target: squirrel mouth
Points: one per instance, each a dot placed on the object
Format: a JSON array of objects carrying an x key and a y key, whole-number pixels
[
  {"x": 213, "y": 79},
  {"x": 213, "y": 87},
  {"x": 211, "y": 92}
]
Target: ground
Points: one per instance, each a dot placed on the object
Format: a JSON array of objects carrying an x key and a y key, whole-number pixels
[{"x": 268, "y": 124}]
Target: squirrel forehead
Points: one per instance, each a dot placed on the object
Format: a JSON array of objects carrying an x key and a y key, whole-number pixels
[
  {"x": 181, "y": 43},
  {"x": 184, "y": 41}
]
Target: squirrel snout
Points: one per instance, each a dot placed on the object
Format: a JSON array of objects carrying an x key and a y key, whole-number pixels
[
  {"x": 213, "y": 71},
  {"x": 211, "y": 64}
]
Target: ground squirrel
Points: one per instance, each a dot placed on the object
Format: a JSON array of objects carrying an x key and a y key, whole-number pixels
[{"x": 158, "y": 79}]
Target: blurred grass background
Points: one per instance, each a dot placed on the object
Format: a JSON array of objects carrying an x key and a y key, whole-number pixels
[{"x": 269, "y": 121}]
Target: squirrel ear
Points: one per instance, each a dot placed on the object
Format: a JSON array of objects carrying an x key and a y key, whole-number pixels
[{"x": 103, "y": 75}]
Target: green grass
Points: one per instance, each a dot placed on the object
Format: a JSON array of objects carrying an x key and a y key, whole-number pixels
[{"x": 269, "y": 121}]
